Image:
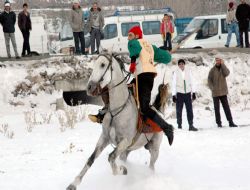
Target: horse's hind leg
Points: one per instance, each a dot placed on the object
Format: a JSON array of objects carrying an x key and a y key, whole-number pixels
[
  {"x": 121, "y": 147},
  {"x": 153, "y": 147},
  {"x": 101, "y": 144}
]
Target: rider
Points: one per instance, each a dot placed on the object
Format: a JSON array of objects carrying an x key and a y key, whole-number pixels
[{"x": 146, "y": 54}]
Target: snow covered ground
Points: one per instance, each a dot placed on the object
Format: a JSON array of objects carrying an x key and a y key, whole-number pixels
[{"x": 50, "y": 156}]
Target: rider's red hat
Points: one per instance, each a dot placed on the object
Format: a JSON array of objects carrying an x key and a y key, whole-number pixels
[{"x": 136, "y": 30}]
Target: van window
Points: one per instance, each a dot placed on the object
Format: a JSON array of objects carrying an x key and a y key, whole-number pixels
[
  {"x": 151, "y": 27},
  {"x": 224, "y": 26},
  {"x": 110, "y": 31},
  {"x": 126, "y": 27},
  {"x": 208, "y": 29}
]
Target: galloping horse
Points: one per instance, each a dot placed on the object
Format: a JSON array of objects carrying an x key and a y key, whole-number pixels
[{"x": 120, "y": 122}]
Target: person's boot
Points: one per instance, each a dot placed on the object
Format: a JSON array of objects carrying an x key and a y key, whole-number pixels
[
  {"x": 99, "y": 117},
  {"x": 179, "y": 126},
  {"x": 192, "y": 128},
  {"x": 232, "y": 124},
  {"x": 167, "y": 128}
]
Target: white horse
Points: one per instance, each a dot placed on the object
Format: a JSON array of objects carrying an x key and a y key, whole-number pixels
[{"x": 120, "y": 122}]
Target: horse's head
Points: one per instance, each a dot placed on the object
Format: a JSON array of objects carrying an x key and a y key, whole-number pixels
[{"x": 101, "y": 74}]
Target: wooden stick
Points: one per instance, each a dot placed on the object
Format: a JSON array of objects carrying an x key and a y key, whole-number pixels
[{"x": 137, "y": 92}]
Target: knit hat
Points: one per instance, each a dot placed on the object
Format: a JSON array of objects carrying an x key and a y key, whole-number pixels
[
  {"x": 181, "y": 61},
  {"x": 231, "y": 4},
  {"x": 7, "y": 4},
  {"x": 136, "y": 30}
]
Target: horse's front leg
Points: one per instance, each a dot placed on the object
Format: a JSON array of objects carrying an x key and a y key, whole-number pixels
[
  {"x": 102, "y": 143},
  {"x": 121, "y": 147}
]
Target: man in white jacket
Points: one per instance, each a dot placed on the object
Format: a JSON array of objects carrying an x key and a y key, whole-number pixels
[{"x": 183, "y": 92}]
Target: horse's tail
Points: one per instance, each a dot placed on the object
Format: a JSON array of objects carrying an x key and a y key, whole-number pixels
[{"x": 161, "y": 97}]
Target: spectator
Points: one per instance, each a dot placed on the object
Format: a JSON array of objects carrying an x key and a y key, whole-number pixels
[
  {"x": 232, "y": 25},
  {"x": 218, "y": 85},
  {"x": 96, "y": 23},
  {"x": 24, "y": 24},
  {"x": 8, "y": 20},
  {"x": 77, "y": 24},
  {"x": 243, "y": 16},
  {"x": 183, "y": 92},
  {"x": 166, "y": 31}
]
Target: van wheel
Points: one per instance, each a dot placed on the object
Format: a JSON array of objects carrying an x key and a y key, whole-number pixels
[{"x": 197, "y": 47}]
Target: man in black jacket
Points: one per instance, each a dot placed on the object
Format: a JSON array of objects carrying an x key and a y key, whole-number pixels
[
  {"x": 8, "y": 20},
  {"x": 243, "y": 16},
  {"x": 24, "y": 24}
]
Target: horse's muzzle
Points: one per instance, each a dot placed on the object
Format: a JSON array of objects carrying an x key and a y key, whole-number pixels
[{"x": 93, "y": 88}]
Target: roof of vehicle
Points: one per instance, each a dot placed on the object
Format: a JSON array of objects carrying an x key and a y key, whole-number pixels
[
  {"x": 133, "y": 18},
  {"x": 210, "y": 16}
]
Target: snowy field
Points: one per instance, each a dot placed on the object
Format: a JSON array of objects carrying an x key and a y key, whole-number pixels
[{"x": 37, "y": 152}]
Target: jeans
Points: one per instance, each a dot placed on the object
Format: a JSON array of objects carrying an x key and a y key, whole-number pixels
[
  {"x": 95, "y": 38},
  {"x": 167, "y": 42},
  {"x": 233, "y": 27},
  {"x": 79, "y": 36},
  {"x": 26, "y": 43}
]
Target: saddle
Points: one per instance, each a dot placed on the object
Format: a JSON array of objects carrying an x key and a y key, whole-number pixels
[{"x": 145, "y": 124}]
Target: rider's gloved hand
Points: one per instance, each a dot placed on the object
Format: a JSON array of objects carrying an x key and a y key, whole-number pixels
[{"x": 132, "y": 67}]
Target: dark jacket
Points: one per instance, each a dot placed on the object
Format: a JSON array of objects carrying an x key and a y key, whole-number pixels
[
  {"x": 24, "y": 21},
  {"x": 91, "y": 18},
  {"x": 243, "y": 15},
  {"x": 8, "y": 21},
  {"x": 217, "y": 80}
]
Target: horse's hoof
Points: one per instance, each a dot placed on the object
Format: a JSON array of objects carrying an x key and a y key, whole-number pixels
[
  {"x": 71, "y": 187},
  {"x": 123, "y": 170},
  {"x": 152, "y": 168}
]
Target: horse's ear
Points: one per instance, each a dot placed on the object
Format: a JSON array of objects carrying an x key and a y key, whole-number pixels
[{"x": 106, "y": 51}]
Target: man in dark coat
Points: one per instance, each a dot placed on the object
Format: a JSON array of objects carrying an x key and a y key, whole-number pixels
[
  {"x": 218, "y": 85},
  {"x": 243, "y": 17},
  {"x": 24, "y": 24},
  {"x": 8, "y": 20}
]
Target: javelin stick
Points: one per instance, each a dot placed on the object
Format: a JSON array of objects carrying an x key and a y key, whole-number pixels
[{"x": 137, "y": 92}]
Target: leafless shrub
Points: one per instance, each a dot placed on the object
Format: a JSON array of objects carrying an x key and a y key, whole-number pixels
[{"x": 6, "y": 132}]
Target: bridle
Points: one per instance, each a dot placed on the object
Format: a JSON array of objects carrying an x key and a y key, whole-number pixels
[
  {"x": 120, "y": 108},
  {"x": 126, "y": 78}
]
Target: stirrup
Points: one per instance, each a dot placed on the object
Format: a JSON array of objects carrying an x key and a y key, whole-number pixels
[{"x": 95, "y": 118}]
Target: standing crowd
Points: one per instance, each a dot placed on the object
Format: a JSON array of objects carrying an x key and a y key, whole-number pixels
[
  {"x": 8, "y": 21},
  {"x": 238, "y": 22},
  {"x": 95, "y": 24}
]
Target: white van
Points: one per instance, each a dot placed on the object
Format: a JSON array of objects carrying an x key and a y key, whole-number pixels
[
  {"x": 116, "y": 30},
  {"x": 206, "y": 32},
  {"x": 38, "y": 38}
]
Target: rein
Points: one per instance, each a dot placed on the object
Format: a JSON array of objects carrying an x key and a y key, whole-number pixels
[
  {"x": 125, "y": 78},
  {"x": 120, "y": 108}
]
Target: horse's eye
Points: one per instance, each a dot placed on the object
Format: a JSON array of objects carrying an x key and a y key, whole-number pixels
[{"x": 102, "y": 65}]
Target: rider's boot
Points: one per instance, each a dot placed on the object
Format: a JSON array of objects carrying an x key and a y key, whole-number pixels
[
  {"x": 167, "y": 128},
  {"x": 99, "y": 117}
]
